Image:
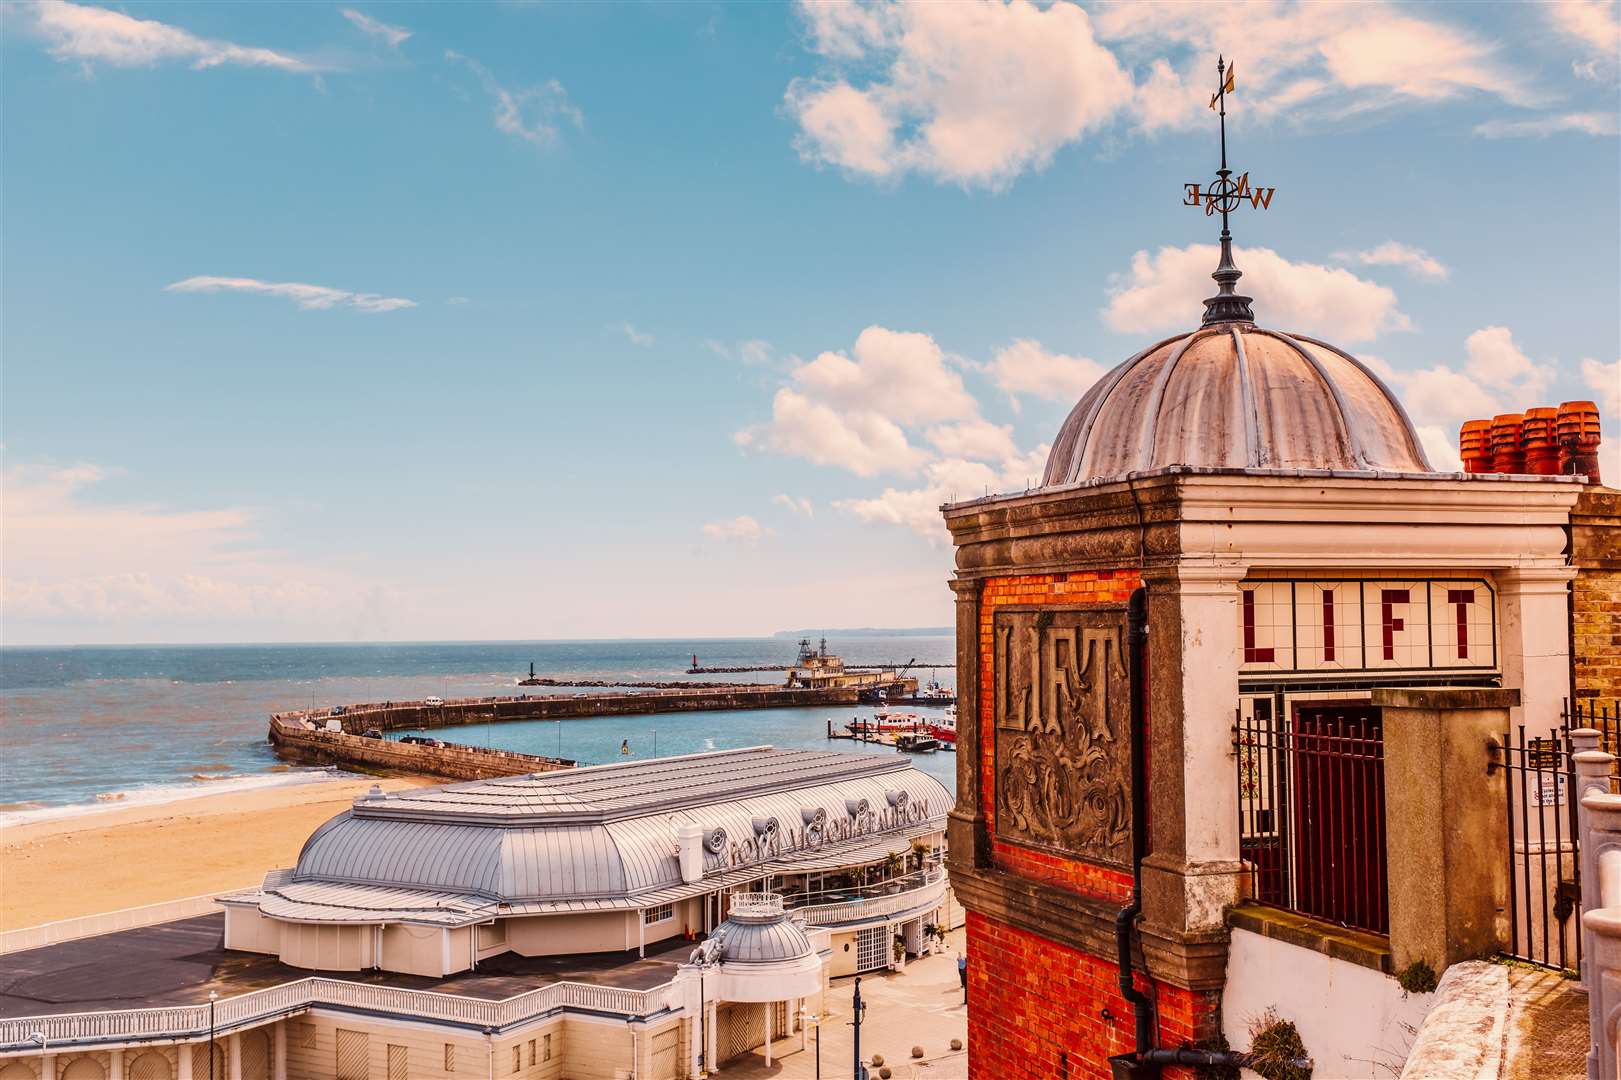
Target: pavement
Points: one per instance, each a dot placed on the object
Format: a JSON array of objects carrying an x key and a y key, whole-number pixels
[
  {"x": 920, "y": 1006},
  {"x": 1547, "y": 1026}
]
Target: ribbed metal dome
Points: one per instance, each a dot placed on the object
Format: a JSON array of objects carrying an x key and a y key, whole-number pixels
[
  {"x": 1234, "y": 396},
  {"x": 757, "y": 931}
]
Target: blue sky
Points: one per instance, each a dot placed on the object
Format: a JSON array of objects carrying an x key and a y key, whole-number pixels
[{"x": 559, "y": 320}]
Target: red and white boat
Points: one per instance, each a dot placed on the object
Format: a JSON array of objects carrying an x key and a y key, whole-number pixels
[
  {"x": 945, "y": 728},
  {"x": 887, "y": 723}
]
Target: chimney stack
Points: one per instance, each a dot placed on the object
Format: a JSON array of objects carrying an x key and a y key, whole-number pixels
[
  {"x": 1578, "y": 435},
  {"x": 1537, "y": 442},
  {"x": 1508, "y": 456}
]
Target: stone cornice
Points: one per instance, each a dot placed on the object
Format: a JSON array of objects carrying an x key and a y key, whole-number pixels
[{"x": 1191, "y": 961}]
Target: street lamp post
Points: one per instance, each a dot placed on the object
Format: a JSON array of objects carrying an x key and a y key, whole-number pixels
[
  {"x": 213, "y": 996},
  {"x": 808, "y": 1017},
  {"x": 858, "y": 1008}
]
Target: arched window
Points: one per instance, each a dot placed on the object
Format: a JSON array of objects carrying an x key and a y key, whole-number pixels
[
  {"x": 149, "y": 1066},
  {"x": 84, "y": 1068}
]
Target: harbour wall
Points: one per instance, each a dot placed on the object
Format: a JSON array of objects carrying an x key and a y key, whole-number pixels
[
  {"x": 313, "y": 746},
  {"x": 302, "y": 735}
]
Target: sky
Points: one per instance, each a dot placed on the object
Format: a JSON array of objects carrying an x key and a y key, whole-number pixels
[{"x": 553, "y": 320}]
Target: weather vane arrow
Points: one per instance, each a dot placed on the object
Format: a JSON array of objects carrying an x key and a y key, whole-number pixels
[{"x": 1226, "y": 194}]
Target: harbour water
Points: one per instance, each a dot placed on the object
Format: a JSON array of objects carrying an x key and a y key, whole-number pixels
[{"x": 88, "y": 727}]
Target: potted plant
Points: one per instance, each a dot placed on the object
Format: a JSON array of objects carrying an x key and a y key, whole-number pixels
[{"x": 900, "y": 952}]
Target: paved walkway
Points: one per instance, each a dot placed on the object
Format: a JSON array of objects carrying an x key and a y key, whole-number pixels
[
  {"x": 1547, "y": 1027},
  {"x": 921, "y": 1006}
]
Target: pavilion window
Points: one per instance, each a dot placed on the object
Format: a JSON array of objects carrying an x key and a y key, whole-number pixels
[{"x": 662, "y": 913}]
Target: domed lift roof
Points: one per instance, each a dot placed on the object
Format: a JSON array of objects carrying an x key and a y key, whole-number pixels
[{"x": 1232, "y": 395}]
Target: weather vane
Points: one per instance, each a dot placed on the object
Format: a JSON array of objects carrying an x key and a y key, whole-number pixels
[{"x": 1226, "y": 195}]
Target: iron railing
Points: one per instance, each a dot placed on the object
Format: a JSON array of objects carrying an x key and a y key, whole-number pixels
[
  {"x": 1311, "y": 801},
  {"x": 1544, "y": 857}
]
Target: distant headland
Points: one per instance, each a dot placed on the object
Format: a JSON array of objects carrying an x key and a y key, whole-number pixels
[{"x": 868, "y": 631}]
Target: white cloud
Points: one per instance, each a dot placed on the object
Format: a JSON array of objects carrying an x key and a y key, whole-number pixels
[
  {"x": 393, "y": 36},
  {"x": 1605, "y": 382},
  {"x": 752, "y": 352},
  {"x": 863, "y": 441},
  {"x": 1024, "y": 367},
  {"x": 976, "y": 440},
  {"x": 534, "y": 114},
  {"x": 1392, "y": 253},
  {"x": 739, "y": 530},
  {"x": 636, "y": 337},
  {"x": 971, "y": 93},
  {"x": 1165, "y": 291},
  {"x": 1320, "y": 60},
  {"x": 93, "y": 35},
  {"x": 308, "y": 297},
  {"x": 1592, "y": 22},
  {"x": 890, "y": 369},
  {"x": 75, "y": 560},
  {"x": 1496, "y": 376},
  {"x": 799, "y": 506},
  {"x": 1497, "y": 362},
  {"x": 947, "y": 480},
  {"x": 1584, "y": 123},
  {"x": 851, "y": 410}
]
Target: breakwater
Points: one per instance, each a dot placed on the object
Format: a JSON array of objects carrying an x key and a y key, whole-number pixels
[{"x": 337, "y": 735}]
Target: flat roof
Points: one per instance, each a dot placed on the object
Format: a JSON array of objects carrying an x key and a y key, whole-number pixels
[{"x": 178, "y": 963}]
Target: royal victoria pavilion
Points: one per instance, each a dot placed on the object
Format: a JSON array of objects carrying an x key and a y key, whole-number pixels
[{"x": 650, "y": 919}]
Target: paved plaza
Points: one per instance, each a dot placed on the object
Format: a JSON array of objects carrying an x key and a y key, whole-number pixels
[{"x": 921, "y": 1006}]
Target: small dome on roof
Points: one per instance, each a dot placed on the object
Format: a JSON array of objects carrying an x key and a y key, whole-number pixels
[
  {"x": 758, "y": 931},
  {"x": 1231, "y": 395}
]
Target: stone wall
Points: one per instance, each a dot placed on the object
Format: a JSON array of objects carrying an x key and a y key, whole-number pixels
[
  {"x": 301, "y": 736},
  {"x": 292, "y": 740},
  {"x": 1595, "y": 551}
]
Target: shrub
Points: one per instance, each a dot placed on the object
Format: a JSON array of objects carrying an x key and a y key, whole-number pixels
[{"x": 1417, "y": 978}]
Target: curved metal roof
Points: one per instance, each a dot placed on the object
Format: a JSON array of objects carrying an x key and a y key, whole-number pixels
[
  {"x": 1235, "y": 396},
  {"x": 601, "y": 833}
]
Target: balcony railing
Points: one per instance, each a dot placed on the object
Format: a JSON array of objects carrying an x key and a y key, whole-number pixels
[
  {"x": 262, "y": 1006},
  {"x": 928, "y": 890}
]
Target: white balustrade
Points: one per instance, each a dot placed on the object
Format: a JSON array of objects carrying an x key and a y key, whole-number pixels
[
  {"x": 259, "y": 1006},
  {"x": 930, "y": 892}
]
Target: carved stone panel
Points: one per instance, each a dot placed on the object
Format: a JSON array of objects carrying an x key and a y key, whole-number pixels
[{"x": 1063, "y": 740}]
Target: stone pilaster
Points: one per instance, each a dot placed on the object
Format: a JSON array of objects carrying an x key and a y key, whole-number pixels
[
  {"x": 1192, "y": 872},
  {"x": 969, "y": 844},
  {"x": 1534, "y": 612}
]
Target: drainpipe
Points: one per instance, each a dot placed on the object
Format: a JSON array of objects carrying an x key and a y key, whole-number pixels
[
  {"x": 1146, "y": 1060},
  {"x": 489, "y": 1045},
  {"x": 1142, "y": 1009}
]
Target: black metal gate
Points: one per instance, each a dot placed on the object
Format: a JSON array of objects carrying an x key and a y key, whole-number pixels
[{"x": 1544, "y": 894}]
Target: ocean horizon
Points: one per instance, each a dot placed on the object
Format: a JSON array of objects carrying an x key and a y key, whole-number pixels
[{"x": 85, "y": 727}]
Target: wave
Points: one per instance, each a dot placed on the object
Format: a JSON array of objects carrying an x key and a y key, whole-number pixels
[{"x": 199, "y": 785}]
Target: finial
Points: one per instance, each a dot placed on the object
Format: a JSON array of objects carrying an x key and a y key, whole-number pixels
[{"x": 1226, "y": 194}]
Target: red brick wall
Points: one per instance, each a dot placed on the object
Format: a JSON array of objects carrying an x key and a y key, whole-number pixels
[
  {"x": 1030, "y": 1000},
  {"x": 1055, "y": 590}
]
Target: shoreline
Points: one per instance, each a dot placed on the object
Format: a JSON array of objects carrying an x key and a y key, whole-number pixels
[{"x": 130, "y": 855}]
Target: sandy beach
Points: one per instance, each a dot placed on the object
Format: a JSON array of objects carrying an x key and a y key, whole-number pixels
[{"x": 126, "y": 857}]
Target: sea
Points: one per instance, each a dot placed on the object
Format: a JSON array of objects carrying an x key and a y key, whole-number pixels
[{"x": 90, "y": 728}]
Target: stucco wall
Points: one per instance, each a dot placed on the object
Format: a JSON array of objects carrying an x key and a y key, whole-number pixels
[
  {"x": 415, "y": 950},
  {"x": 248, "y": 930},
  {"x": 556, "y": 935},
  {"x": 326, "y": 948},
  {"x": 1355, "y": 1022}
]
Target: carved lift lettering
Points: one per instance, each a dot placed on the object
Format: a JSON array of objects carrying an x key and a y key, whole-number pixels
[{"x": 1062, "y": 745}]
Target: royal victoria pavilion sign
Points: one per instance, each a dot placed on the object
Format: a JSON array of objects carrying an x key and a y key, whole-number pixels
[
  {"x": 816, "y": 830},
  {"x": 1322, "y": 625}
]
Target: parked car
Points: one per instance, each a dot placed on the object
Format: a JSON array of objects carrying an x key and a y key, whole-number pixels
[
  {"x": 420, "y": 740},
  {"x": 371, "y": 733},
  {"x": 433, "y": 702}
]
